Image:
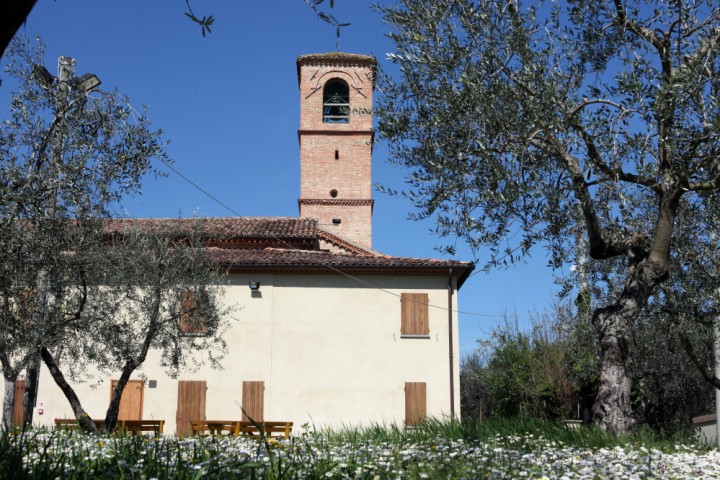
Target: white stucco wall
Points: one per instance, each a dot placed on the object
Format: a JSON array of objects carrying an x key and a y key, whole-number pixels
[{"x": 327, "y": 347}]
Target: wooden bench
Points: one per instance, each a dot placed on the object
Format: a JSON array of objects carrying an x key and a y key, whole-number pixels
[
  {"x": 215, "y": 427},
  {"x": 270, "y": 429},
  {"x": 129, "y": 427},
  {"x": 135, "y": 427},
  {"x": 72, "y": 423}
]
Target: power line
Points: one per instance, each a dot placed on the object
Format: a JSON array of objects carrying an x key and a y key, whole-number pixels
[{"x": 330, "y": 267}]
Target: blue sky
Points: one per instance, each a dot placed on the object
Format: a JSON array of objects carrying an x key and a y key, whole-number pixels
[{"x": 229, "y": 106}]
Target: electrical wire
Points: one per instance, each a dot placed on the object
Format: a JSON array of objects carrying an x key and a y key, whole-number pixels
[{"x": 330, "y": 267}]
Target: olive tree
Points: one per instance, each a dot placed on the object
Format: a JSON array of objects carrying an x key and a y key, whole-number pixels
[
  {"x": 155, "y": 288},
  {"x": 68, "y": 156},
  {"x": 512, "y": 115}
]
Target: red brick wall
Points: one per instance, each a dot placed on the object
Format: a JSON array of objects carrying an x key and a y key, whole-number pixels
[
  {"x": 350, "y": 174},
  {"x": 356, "y": 221},
  {"x": 320, "y": 172},
  {"x": 314, "y": 75}
]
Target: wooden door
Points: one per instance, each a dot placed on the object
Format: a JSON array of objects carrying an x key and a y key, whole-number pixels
[
  {"x": 253, "y": 397},
  {"x": 415, "y": 403},
  {"x": 131, "y": 402},
  {"x": 18, "y": 410},
  {"x": 191, "y": 404}
]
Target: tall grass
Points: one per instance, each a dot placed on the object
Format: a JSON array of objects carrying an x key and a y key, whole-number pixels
[
  {"x": 488, "y": 429},
  {"x": 497, "y": 448}
]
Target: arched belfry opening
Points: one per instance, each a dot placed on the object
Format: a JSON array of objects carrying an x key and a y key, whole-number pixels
[
  {"x": 336, "y": 141},
  {"x": 336, "y": 101}
]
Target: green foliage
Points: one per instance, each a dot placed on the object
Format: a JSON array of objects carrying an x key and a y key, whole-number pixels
[
  {"x": 205, "y": 22},
  {"x": 67, "y": 157},
  {"x": 327, "y": 17},
  {"x": 545, "y": 122},
  {"x": 520, "y": 372},
  {"x": 71, "y": 280}
]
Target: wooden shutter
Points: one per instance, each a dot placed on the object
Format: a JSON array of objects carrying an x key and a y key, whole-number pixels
[
  {"x": 191, "y": 320},
  {"x": 131, "y": 401},
  {"x": 191, "y": 404},
  {"x": 415, "y": 403},
  {"x": 253, "y": 397},
  {"x": 26, "y": 305},
  {"x": 18, "y": 405},
  {"x": 414, "y": 314}
]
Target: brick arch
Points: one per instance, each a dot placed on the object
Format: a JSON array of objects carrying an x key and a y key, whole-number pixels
[{"x": 331, "y": 74}]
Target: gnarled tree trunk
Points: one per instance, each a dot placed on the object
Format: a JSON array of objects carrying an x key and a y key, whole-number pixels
[
  {"x": 9, "y": 399},
  {"x": 81, "y": 415},
  {"x": 648, "y": 266},
  {"x": 111, "y": 416}
]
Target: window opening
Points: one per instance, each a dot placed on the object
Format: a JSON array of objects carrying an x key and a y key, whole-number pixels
[
  {"x": 337, "y": 154},
  {"x": 414, "y": 314},
  {"x": 333, "y": 193},
  {"x": 193, "y": 311},
  {"x": 336, "y": 102},
  {"x": 415, "y": 403}
]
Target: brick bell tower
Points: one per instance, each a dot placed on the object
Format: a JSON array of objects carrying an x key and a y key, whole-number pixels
[{"x": 336, "y": 138}]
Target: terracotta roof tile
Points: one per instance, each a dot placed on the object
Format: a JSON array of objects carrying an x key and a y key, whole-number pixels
[
  {"x": 281, "y": 258},
  {"x": 228, "y": 227},
  {"x": 281, "y": 244},
  {"x": 337, "y": 56}
]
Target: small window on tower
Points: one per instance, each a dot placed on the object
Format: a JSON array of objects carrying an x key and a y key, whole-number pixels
[{"x": 336, "y": 102}]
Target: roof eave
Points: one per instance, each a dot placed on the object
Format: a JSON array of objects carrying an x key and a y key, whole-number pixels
[{"x": 462, "y": 272}]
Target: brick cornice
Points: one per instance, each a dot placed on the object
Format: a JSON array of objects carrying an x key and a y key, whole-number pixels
[
  {"x": 336, "y": 59},
  {"x": 337, "y": 201},
  {"x": 370, "y": 132}
]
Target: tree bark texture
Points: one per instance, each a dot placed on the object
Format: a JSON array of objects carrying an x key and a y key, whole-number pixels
[
  {"x": 33, "y": 373},
  {"x": 612, "y": 409},
  {"x": 111, "y": 416},
  {"x": 82, "y": 417},
  {"x": 9, "y": 400}
]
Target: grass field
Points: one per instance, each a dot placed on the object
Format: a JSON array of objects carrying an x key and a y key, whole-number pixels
[{"x": 492, "y": 449}]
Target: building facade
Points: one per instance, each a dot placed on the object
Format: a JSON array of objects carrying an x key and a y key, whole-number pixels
[{"x": 328, "y": 332}]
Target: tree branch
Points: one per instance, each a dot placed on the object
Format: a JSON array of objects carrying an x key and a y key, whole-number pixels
[
  {"x": 708, "y": 45},
  {"x": 713, "y": 184},
  {"x": 600, "y": 246},
  {"x": 615, "y": 175},
  {"x": 642, "y": 32},
  {"x": 707, "y": 374},
  {"x": 13, "y": 14}
]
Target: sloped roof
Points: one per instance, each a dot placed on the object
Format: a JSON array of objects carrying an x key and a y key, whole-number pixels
[
  {"x": 281, "y": 259},
  {"x": 336, "y": 57},
  {"x": 283, "y": 244},
  {"x": 226, "y": 227}
]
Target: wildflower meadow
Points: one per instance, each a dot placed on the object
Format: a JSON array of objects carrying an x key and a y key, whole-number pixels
[{"x": 488, "y": 450}]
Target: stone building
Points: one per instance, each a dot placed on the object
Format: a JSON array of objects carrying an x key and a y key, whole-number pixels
[{"x": 330, "y": 332}]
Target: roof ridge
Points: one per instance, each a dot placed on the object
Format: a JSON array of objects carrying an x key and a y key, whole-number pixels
[{"x": 359, "y": 249}]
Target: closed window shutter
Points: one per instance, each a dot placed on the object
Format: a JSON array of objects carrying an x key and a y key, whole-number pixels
[
  {"x": 18, "y": 407},
  {"x": 415, "y": 403},
  {"x": 131, "y": 400},
  {"x": 191, "y": 404},
  {"x": 253, "y": 396},
  {"x": 27, "y": 305},
  {"x": 414, "y": 314},
  {"x": 191, "y": 307}
]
